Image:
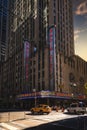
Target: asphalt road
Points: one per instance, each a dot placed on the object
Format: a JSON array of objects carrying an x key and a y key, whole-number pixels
[{"x": 77, "y": 123}]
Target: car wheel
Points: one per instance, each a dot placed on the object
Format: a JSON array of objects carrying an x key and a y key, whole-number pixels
[
  {"x": 32, "y": 112},
  {"x": 83, "y": 112},
  {"x": 68, "y": 111},
  {"x": 47, "y": 112},
  {"x": 41, "y": 112}
]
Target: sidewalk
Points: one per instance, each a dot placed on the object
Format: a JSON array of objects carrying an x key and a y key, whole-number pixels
[{"x": 21, "y": 124}]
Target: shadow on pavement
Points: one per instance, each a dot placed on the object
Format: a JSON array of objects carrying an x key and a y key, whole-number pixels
[
  {"x": 72, "y": 113},
  {"x": 77, "y": 123},
  {"x": 11, "y": 110},
  {"x": 35, "y": 114}
]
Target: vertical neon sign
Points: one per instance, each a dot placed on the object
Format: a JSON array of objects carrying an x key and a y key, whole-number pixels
[
  {"x": 52, "y": 56},
  {"x": 26, "y": 59}
]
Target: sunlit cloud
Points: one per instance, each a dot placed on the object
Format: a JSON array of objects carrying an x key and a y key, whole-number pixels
[
  {"x": 81, "y": 9},
  {"x": 76, "y": 37},
  {"x": 80, "y": 30},
  {"x": 77, "y": 33}
]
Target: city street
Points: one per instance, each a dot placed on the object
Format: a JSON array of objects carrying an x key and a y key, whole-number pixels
[{"x": 41, "y": 122}]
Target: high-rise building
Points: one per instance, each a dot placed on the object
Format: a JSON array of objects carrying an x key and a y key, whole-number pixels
[
  {"x": 3, "y": 28},
  {"x": 35, "y": 17},
  {"x": 40, "y": 42},
  {"x": 31, "y": 22}
]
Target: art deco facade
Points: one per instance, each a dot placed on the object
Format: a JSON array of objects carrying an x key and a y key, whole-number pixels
[
  {"x": 31, "y": 22},
  {"x": 41, "y": 47}
]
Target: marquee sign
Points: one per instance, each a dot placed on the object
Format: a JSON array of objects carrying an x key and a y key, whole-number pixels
[{"x": 45, "y": 94}]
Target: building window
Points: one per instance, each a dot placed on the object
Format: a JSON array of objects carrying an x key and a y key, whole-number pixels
[
  {"x": 43, "y": 85},
  {"x": 38, "y": 86},
  {"x": 39, "y": 75},
  {"x": 43, "y": 74}
]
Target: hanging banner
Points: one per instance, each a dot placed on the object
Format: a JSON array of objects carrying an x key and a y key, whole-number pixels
[
  {"x": 26, "y": 59},
  {"x": 52, "y": 56}
]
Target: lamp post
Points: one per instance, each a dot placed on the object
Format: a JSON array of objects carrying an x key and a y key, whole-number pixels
[{"x": 34, "y": 90}]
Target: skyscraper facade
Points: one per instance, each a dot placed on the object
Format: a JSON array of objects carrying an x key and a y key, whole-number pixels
[
  {"x": 31, "y": 22},
  {"x": 40, "y": 47},
  {"x": 3, "y": 28}
]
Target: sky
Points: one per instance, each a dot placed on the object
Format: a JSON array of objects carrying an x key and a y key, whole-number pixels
[{"x": 80, "y": 27}]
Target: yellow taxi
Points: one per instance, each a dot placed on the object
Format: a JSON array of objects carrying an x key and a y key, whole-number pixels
[{"x": 40, "y": 109}]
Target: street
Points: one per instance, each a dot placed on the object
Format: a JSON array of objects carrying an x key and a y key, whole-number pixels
[{"x": 43, "y": 122}]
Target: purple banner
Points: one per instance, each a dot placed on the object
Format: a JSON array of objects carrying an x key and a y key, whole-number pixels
[
  {"x": 26, "y": 59},
  {"x": 52, "y": 56}
]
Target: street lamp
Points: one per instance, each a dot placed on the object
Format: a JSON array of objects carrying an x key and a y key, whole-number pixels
[
  {"x": 72, "y": 95},
  {"x": 34, "y": 90}
]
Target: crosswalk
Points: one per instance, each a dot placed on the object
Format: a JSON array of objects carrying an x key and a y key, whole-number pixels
[{"x": 5, "y": 126}]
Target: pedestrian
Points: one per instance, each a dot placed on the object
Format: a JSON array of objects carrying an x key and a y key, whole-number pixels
[
  {"x": 56, "y": 108},
  {"x": 62, "y": 108}
]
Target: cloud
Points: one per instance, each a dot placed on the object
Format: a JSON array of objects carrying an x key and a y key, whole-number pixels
[
  {"x": 81, "y": 9},
  {"x": 76, "y": 32},
  {"x": 76, "y": 35}
]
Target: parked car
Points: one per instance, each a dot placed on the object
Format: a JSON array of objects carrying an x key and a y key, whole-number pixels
[
  {"x": 40, "y": 109},
  {"x": 77, "y": 108}
]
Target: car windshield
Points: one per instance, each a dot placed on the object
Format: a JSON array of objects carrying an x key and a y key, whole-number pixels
[
  {"x": 41, "y": 105},
  {"x": 73, "y": 105},
  {"x": 81, "y": 105},
  {"x": 46, "y": 106}
]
